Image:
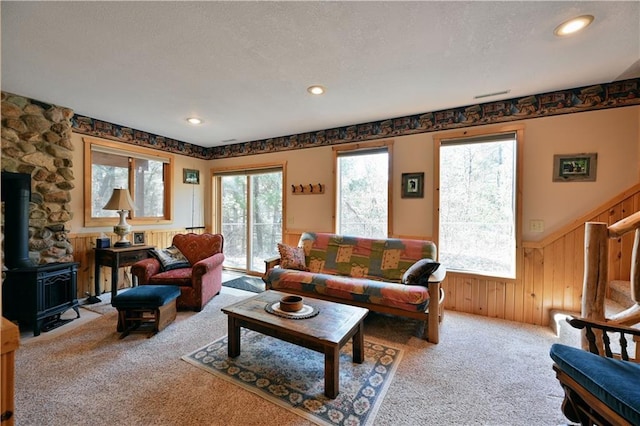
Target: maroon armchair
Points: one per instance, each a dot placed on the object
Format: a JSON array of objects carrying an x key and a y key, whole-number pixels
[{"x": 199, "y": 282}]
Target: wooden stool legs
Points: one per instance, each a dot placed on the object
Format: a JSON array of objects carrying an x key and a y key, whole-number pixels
[{"x": 131, "y": 319}]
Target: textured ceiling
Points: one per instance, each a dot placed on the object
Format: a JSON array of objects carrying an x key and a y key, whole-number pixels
[{"x": 243, "y": 67}]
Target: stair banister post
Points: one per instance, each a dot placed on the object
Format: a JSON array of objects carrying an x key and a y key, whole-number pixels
[{"x": 596, "y": 272}]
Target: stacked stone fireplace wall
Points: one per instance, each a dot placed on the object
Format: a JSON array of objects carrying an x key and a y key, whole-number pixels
[{"x": 36, "y": 139}]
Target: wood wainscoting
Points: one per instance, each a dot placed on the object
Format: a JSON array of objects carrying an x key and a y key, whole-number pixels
[{"x": 83, "y": 252}]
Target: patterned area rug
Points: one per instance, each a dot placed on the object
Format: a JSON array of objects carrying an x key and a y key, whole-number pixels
[
  {"x": 293, "y": 377},
  {"x": 253, "y": 284}
]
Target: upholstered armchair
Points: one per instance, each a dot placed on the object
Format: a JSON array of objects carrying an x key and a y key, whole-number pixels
[{"x": 199, "y": 280}]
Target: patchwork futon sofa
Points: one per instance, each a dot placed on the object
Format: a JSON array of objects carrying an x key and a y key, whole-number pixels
[{"x": 393, "y": 276}]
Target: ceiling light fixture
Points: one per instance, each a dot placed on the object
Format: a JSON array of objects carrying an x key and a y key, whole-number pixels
[
  {"x": 195, "y": 121},
  {"x": 316, "y": 89},
  {"x": 573, "y": 25}
]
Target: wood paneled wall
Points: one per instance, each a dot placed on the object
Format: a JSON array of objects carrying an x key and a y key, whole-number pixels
[
  {"x": 551, "y": 275},
  {"x": 83, "y": 252}
]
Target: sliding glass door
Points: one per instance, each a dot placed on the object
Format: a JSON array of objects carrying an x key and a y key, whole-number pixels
[{"x": 250, "y": 217}]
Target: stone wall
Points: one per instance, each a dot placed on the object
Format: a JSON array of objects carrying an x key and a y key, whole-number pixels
[{"x": 36, "y": 139}]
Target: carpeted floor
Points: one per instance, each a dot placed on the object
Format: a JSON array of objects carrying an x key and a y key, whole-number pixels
[{"x": 483, "y": 372}]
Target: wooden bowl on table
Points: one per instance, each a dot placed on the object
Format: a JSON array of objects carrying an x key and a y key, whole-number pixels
[{"x": 291, "y": 303}]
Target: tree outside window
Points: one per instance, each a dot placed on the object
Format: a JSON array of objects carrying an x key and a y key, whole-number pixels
[
  {"x": 362, "y": 191},
  {"x": 477, "y": 214},
  {"x": 145, "y": 175}
]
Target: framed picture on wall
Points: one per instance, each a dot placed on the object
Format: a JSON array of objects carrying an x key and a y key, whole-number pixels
[
  {"x": 191, "y": 176},
  {"x": 412, "y": 185},
  {"x": 575, "y": 167},
  {"x": 138, "y": 238}
]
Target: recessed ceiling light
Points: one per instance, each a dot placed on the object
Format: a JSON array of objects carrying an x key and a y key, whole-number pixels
[
  {"x": 195, "y": 121},
  {"x": 574, "y": 25},
  {"x": 316, "y": 89}
]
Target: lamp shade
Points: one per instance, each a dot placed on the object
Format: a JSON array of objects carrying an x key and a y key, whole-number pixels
[{"x": 120, "y": 200}]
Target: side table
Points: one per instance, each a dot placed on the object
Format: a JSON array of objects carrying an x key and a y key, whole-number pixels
[{"x": 116, "y": 257}]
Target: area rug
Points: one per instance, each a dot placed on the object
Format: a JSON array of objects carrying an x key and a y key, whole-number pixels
[
  {"x": 252, "y": 284},
  {"x": 293, "y": 377}
]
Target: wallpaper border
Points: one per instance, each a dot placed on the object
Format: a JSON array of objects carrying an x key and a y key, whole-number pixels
[{"x": 569, "y": 101}]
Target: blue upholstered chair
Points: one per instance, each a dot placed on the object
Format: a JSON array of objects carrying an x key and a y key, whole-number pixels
[{"x": 601, "y": 387}]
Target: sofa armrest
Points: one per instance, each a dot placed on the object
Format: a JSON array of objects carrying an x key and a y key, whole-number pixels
[
  {"x": 439, "y": 274},
  {"x": 144, "y": 269},
  {"x": 208, "y": 264},
  {"x": 271, "y": 263}
]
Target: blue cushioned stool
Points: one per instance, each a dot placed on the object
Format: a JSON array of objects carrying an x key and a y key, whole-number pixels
[{"x": 150, "y": 305}]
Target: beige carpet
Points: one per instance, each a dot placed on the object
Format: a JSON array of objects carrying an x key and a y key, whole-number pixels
[{"x": 484, "y": 371}]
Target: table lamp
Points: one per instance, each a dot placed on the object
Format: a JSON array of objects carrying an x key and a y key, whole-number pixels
[{"x": 121, "y": 201}]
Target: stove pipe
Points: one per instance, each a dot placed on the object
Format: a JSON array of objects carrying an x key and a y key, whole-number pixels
[{"x": 16, "y": 194}]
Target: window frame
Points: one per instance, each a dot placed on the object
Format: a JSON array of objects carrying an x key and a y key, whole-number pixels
[
  {"x": 90, "y": 221},
  {"x": 474, "y": 133},
  {"x": 363, "y": 147},
  {"x": 216, "y": 179}
]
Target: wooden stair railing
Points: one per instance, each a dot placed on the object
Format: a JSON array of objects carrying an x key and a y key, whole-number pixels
[
  {"x": 597, "y": 235},
  {"x": 595, "y": 330}
]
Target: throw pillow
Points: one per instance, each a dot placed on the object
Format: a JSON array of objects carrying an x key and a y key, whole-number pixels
[
  {"x": 419, "y": 272},
  {"x": 170, "y": 258},
  {"x": 292, "y": 257}
]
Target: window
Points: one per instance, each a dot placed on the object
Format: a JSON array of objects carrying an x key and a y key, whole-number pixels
[
  {"x": 477, "y": 223},
  {"x": 144, "y": 172},
  {"x": 250, "y": 212},
  {"x": 362, "y": 191}
]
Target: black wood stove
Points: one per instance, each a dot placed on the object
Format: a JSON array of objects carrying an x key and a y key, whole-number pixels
[{"x": 35, "y": 295}]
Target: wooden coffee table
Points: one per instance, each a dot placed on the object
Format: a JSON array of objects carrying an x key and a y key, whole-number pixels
[{"x": 326, "y": 332}]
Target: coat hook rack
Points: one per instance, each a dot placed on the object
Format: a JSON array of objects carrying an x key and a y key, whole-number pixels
[{"x": 308, "y": 189}]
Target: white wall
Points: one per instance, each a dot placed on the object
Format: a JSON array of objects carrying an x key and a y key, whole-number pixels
[{"x": 614, "y": 134}]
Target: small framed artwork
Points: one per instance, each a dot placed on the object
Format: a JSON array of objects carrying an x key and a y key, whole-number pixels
[
  {"x": 575, "y": 167},
  {"x": 412, "y": 185},
  {"x": 138, "y": 238},
  {"x": 191, "y": 176}
]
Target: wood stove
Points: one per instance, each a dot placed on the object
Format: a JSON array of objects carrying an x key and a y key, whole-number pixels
[
  {"x": 39, "y": 295},
  {"x": 31, "y": 294}
]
